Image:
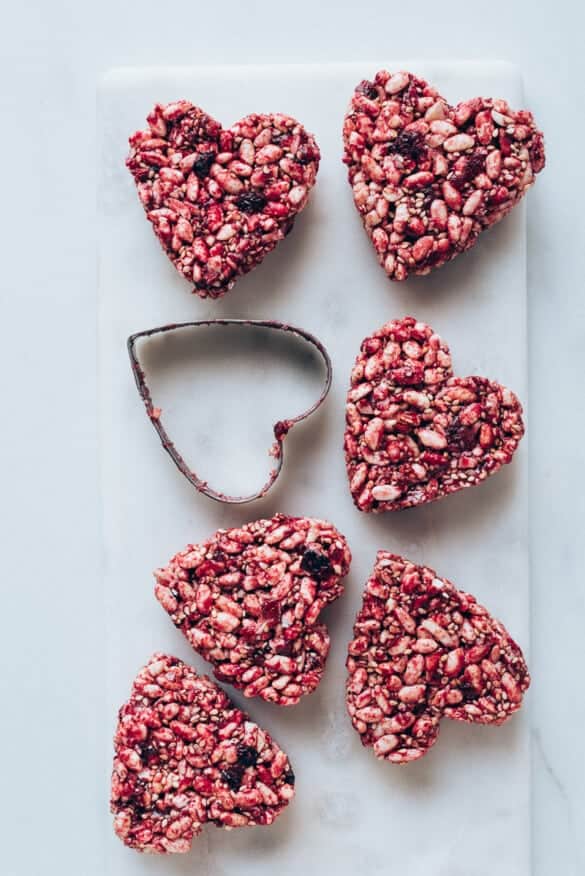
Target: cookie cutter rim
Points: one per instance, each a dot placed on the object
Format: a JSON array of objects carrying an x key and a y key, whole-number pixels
[{"x": 280, "y": 429}]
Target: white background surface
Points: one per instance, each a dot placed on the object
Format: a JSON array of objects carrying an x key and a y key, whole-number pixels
[
  {"x": 52, "y": 677},
  {"x": 324, "y": 277}
]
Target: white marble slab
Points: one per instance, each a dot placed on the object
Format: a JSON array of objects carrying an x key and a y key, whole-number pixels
[{"x": 351, "y": 813}]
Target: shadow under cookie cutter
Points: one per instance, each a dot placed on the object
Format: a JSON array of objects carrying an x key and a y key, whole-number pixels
[{"x": 281, "y": 429}]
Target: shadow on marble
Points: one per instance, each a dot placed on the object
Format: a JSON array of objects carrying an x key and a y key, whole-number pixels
[
  {"x": 468, "y": 513},
  {"x": 273, "y": 281}
]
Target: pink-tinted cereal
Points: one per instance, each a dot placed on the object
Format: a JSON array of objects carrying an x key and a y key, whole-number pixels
[
  {"x": 184, "y": 756},
  {"x": 415, "y": 432},
  {"x": 428, "y": 177},
  {"x": 249, "y": 600},
  {"x": 219, "y": 200},
  {"x": 423, "y": 651}
]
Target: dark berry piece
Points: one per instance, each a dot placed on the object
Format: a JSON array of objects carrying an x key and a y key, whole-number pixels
[
  {"x": 289, "y": 777},
  {"x": 474, "y": 165},
  {"x": 271, "y": 611},
  {"x": 247, "y": 755},
  {"x": 316, "y": 564},
  {"x": 233, "y": 776},
  {"x": 460, "y": 435},
  {"x": 250, "y": 202},
  {"x": 409, "y": 144},
  {"x": 469, "y": 692},
  {"x": 258, "y": 655},
  {"x": 419, "y": 709},
  {"x": 312, "y": 661},
  {"x": 203, "y": 162},
  {"x": 148, "y": 753},
  {"x": 305, "y": 154},
  {"x": 368, "y": 88}
]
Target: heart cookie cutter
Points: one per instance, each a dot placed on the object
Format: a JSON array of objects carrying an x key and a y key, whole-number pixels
[{"x": 281, "y": 428}]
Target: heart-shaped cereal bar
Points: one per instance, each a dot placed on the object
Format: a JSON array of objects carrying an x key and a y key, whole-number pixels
[
  {"x": 220, "y": 199},
  {"x": 414, "y": 432},
  {"x": 428, "y": 177},
  {"x": 248, "y": 600},
  {"x": 423, "y": 650},
  {"x": 184, "y": 756}
]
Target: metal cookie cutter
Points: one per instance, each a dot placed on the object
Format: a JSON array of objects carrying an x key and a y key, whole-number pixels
[{"x": 280, "y": 429}]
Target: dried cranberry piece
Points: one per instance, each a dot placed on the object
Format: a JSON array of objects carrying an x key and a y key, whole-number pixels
[
  {"x": 289, "y": 777},
  {"x": 368, "y": 88},
  {"x": 149, "y": 752},
  {"x": 464, "y": 436},
  {"x": 202, "y": 164},
  {"x": 271, "y": 611},
  {"x": 232, "y": 776},
  {"x": 306, "y": 154},
  {"x": 286, "y": 649},
  {"x": 419, "y": 709},
  {"x": 316, "y": 564},
  {"x": 258, "y": 655},
  {"x": 247, "y": 755},
  {"x": 250, "y": 202},
  {"x": 409, "y": 144},
  {"x": 468, "y": 691},
  {"x": 474, "y": 165}
]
